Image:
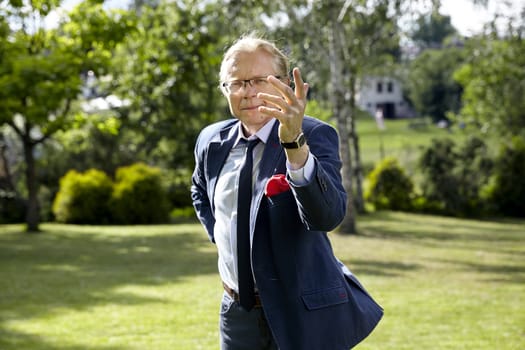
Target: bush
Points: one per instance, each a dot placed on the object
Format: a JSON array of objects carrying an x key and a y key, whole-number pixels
[
  {"x": 83, "y": 198},
  {"x": 186, "y": 214},
  {"x": 453, "y": 178},
  {"x": 12, "y": 208},
  {"x": 389, "y": 187},
  {"x": 177, "y": 184},
  {"x": 138, "y": 196},
  {"x": 437, "y": 164},
  {"x": 421, "y": 204},
  {"x": 506, "y": 191}
]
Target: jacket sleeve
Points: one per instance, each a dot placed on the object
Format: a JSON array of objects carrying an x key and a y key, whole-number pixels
[
  {"x": 322, "y": 202},
  {"x": 199, "y": 193}
]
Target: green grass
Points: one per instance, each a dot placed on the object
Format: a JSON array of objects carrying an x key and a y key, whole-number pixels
[
  {"x": 399, "y": 140},
  {"x": 444, "y": 283}
]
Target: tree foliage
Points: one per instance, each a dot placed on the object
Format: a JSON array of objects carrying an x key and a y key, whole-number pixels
[
  {"x": 494, "y": 86},
  {"x": 505, "y": 192},
  {"x": 430, "y": 84},
  {"x": 40, "y": 72},
  {"x": 167, "y": 69},
  {"x": 431, "y": 30},
  {"x": 453, "y": 176}
]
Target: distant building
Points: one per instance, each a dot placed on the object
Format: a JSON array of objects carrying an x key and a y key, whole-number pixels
[{"x": 385, "y": 94}]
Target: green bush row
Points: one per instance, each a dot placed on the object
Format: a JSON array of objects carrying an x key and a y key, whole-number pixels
[
  {"x": 456, "y": 180},
  {"x": 137, "y": 196},
  {"x": 459, "y": 180}
]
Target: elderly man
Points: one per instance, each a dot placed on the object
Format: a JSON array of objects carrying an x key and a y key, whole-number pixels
[{"x": 267, "y": 187}]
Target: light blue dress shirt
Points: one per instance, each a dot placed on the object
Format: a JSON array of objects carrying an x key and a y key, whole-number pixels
[{"x": 225, "y": 229}]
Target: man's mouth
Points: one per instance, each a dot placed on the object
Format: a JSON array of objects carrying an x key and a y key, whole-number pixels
[{"x": 250, "y": 108}]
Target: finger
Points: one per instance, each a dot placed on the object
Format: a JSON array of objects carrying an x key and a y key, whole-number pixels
[
  {"x": 273, "y": 112},
  {"x": 300, "y": 87},
  {"x": 277, "y": 101},
  {"x": 285, "y": 90}
]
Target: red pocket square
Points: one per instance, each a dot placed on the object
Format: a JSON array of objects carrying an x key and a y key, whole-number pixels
[{"x": 277, "y": 184}]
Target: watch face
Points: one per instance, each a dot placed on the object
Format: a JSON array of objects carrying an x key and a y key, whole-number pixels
[{"x": 301, "y": 141}]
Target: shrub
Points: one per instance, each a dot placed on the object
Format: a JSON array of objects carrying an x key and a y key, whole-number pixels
[
  {"x": 439, "y": 184},
  {"x": 83, "y": 198},
  {"x": 177, "y": 184},
  {"x": 12, "y": 208},
  {"x": 453, "y": 177},
  {"x": 138, "y": 196},
  {"x": 389, "y": 187},
  {"x": 506, "y": 191},
  {"x": 185, "y": 214}
]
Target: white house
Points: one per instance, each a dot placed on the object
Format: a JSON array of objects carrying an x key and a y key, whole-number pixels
[{"x": 385, "y": 94}]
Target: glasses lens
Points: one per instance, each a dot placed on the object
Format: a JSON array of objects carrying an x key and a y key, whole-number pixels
[
  {"x": 235, "y": 85},
  {"x": 258, "y": 82}
]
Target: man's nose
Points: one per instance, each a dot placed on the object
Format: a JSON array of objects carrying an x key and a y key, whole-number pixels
[{"x": 249, "y": 88}]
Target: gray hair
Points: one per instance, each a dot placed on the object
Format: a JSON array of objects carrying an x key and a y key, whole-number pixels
[{"x": 252, "y": 43}]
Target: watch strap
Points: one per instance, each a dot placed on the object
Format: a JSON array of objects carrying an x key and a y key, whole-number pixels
[{"x": 299, "y": 141}]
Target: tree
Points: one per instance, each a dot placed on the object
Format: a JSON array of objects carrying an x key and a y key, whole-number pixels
[
  {"x": 452, "y": 176},
  {"x": 357, "y": 37},
  {"x": 494, "y": 86},
  {"x": 370, "y": 40},
  {"x": 167, "y": 69},
  {"x": 40, "y": 72},
  {"x": 430, "y": 30},
  {"x": 430, "y": 84}
]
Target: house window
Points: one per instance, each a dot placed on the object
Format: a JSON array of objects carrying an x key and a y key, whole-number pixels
[
  {"x": 379, "y": 87},
  {"x": 390, "y": 87}
]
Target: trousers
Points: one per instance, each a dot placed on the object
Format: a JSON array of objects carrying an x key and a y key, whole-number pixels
[{"x": 243, "y": 330}]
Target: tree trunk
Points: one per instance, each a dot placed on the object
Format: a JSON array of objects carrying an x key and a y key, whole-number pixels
[
  {"x": 32, "y": 211},
  {"x": 6, "y": 182},
  {"x": 358, "y": 168},
  {"x": 338, "y": 105}
]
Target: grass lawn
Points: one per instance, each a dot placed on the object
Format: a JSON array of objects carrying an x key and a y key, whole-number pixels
[
  {"x": 400, "y": 140},
  {"x": 444, "y": 283}
]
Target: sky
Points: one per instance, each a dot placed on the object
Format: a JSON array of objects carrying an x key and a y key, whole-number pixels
[{"x": 467, "y": 18}]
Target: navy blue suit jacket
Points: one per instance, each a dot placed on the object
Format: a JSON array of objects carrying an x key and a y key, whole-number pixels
[{"x": 308, "y": 301}]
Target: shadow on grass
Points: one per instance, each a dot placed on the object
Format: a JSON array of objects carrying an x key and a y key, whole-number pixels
[
  {"x": 18, "y": 341},
  {"x": 435, "y": 228},
  {"x": 501, "y": 273},
  {"x": 471, "y": 237},
  {"x": 77, "y": 268},
  {"x": 379, "y": 268}
]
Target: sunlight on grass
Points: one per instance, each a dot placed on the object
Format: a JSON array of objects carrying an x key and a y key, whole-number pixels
[{"x": 445, "y": 283}]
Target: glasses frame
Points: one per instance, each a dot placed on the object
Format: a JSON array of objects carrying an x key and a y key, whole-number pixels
[{"x": 226, "y": 85}]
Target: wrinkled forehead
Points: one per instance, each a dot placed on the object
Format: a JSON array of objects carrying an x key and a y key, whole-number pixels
[{"x": 248, "y": 64}]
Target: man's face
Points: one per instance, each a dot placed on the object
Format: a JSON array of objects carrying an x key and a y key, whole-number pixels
[{"x": 243, "y": 101}]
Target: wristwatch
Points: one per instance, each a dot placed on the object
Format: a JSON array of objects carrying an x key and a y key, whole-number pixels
[{"x": 299, "y": 141}]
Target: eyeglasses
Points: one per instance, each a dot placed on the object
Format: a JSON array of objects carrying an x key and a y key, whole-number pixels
[{"x": 235, "y": 86}]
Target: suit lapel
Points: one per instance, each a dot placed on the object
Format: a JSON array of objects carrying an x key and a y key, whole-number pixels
[
  {"x": 273, "y": 162},
  {"x": 216, "y": 157}
]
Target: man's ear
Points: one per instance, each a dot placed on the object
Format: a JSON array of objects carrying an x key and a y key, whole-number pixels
[{"x": 223, "y": 90}]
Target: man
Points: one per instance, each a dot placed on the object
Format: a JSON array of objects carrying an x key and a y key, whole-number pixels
[{"x": 297, "y": 295}]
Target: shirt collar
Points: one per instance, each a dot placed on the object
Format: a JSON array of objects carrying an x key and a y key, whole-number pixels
[{"x": 262, "y": 134}]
